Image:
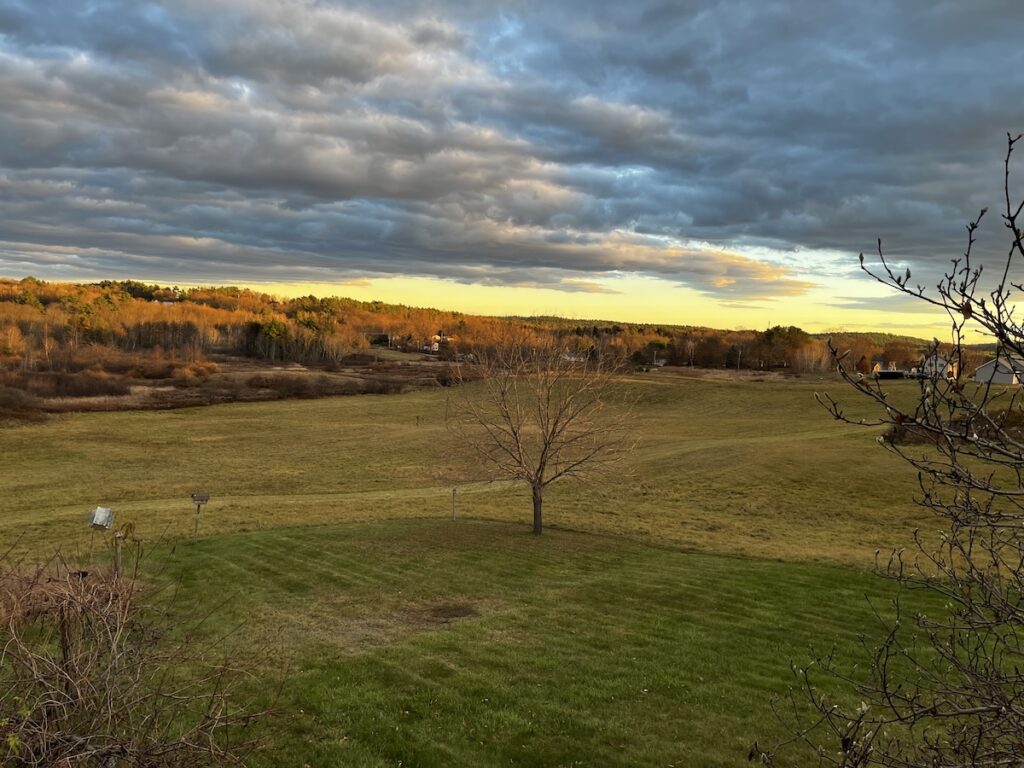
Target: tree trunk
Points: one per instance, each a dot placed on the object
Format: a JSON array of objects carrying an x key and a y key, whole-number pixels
[{"x": 537, "y": 522}]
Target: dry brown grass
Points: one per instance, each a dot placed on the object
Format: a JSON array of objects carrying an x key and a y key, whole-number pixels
[
  {"x": 102, "y": 379},
  {"x": 747, "y": 468}
]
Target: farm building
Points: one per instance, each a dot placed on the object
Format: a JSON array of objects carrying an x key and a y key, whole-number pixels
[
  {"x": 938, "y": 366},
  {"x": 1001, "y": 370}
]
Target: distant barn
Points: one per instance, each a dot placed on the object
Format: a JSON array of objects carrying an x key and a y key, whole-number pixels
[
  {"x": 1001, "y": 370},
  {"x": 938, "y": 367}
]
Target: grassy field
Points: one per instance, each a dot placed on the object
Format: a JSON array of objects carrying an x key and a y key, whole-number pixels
[
  {"x": 755, "y": 468},
  {"x": 432, "y": 643},
  {"x": 649, "y": 626}
]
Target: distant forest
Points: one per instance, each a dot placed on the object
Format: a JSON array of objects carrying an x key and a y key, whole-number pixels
[{"x": 66, "y": 327}]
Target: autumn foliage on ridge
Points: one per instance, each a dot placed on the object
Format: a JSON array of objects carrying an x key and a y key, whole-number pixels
[{"x": 68, "y": 340}]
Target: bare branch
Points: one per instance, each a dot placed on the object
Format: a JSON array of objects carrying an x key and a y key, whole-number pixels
[
  {"x": 91, "y": 675},
  {"x": 534, "y": 411},
  {"x": 944, "y": 688}
]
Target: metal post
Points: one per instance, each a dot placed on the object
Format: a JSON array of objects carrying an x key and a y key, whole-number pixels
[
  {"x": 453, "y": 504},
  {"x": 118, "y": 538},
  {"x": 198, "y": 499}
]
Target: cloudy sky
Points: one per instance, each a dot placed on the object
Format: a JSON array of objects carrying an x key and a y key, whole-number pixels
[{"x": 690, "y": 162}]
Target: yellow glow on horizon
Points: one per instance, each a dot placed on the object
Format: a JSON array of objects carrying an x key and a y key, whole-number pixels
[{"x": 633, "y": 299}]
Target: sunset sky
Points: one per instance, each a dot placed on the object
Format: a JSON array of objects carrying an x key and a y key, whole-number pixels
[{"x": 673, "y": 162}]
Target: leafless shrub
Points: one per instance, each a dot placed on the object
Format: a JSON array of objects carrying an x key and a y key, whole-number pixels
[
  {"x": 17, "y": 405},
  {"x": 382, "y": 386},
  {"x": 305, "y": 385},
  {"x": 60, "y": 384},
  {"x": 93, "y": 674},
  {"x": 947, "y": 688}
]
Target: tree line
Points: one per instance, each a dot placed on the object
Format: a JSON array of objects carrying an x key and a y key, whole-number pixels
[{"x": 50, "y": 326}]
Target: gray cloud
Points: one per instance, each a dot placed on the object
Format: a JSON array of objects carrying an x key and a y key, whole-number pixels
[
  {"x": 524, "y": 144},
  {"x": 895, "y": 302}
]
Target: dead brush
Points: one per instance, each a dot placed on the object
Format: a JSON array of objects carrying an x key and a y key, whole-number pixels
[{"x": 93, "y": 672}]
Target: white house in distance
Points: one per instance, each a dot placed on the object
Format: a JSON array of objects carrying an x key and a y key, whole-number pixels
[
  {"x": 937, "y": 366},
  {"x": 1001, "y": 370}
]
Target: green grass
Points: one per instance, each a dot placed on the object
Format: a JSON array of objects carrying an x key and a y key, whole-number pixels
[
  {"x": 755, "y": 468},
  {"x": 431, "y": 643},
  {"x": 649, "y": 626}
]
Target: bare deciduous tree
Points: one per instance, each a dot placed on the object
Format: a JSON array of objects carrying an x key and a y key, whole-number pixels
[
  {"x": 93, "y": 674},
  {"x": 540, "y": 413},
  {"x": 945, "y": 688}
]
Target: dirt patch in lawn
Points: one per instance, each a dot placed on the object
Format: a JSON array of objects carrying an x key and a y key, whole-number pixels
[
  {"x": 358, "y": 625},
  {"x": 446, "y": 613}
]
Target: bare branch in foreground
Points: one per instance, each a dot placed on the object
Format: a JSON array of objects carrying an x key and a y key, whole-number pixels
[
  {"x": 93, "y": 674},
  {"x": 943, "y": 689}
]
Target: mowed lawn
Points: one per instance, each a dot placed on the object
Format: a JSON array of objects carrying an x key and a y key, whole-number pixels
[
  {"x": 755, "y": 468},
  {"x": 432, "y": 643},
  {"x": 650, "y": 625}
]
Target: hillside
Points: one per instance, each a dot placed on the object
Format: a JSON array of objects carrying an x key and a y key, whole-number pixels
[{"x": 118, "y": 345}]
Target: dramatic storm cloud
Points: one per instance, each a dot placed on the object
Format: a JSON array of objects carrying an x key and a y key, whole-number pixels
[{"x": 742, "y": 149}]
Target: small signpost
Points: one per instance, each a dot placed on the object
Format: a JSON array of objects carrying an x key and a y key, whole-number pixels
[
  {"x": 453, "y": 503},
  {"x": 198, "y": 499}
]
